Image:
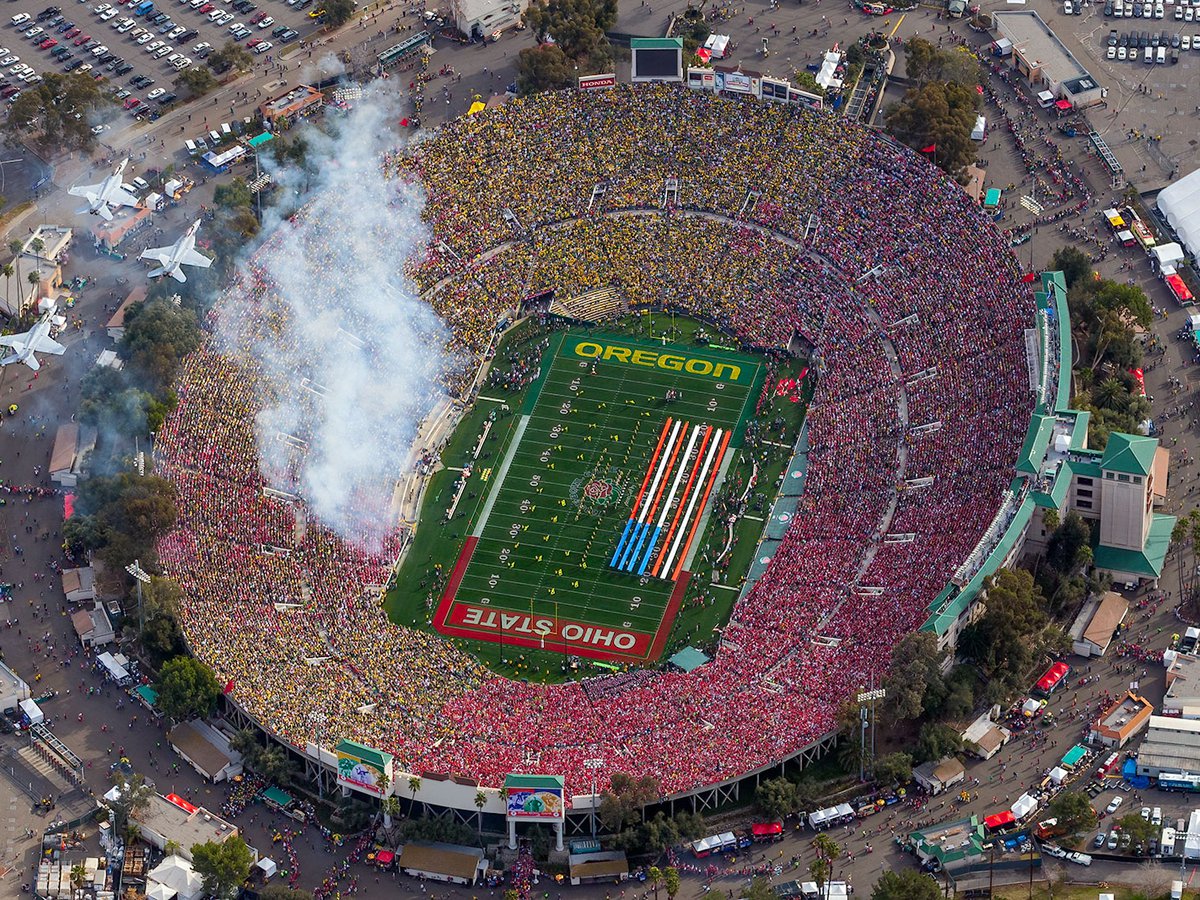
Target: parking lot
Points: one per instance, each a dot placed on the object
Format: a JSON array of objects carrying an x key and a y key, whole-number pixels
[{"x": 141, "y": 46}]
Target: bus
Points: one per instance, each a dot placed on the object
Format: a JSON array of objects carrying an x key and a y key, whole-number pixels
[
  {"x": 1052, "y": 679},
  {"x": 404, "y": 49},
  {"x": 1179, "y": 781}
]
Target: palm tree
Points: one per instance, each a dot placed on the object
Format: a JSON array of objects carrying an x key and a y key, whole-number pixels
[
  {"x": 655, "y": 875},
  {"x": 7, "y": 270},
  {"x": 480, "y": 802},
  {"x": 172, "y": 848},
  {"x": 34, "y": 278},
  {"x": 414, "y": 785},
  {"x": 827, "y": 851},
  {"x": 78, "y": 875},
  {"x": 391, "y": 807},
  {"x": 16, "y": 247},
  {"x": 1179, "y": 535}
]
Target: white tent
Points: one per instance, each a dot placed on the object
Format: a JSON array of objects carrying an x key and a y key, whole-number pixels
[
  {"x": 1180, "y": 205},
  {"x": 1167, "y": 254},
  {"x": 159, "y": 891},
  {"x": 1024, "y": 806},
  {"x": 1058, "y": 774},
  {"x": 267, "y": 866},
  {"x": 114, "y": 666},
  {"x": 177, "y": 873}
]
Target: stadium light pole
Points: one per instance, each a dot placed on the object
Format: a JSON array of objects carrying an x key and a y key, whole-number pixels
[
  {"x": 593, "y": 765},
  {"x": 140, "y": 577},
  {"x": 867, "y": 720},
  {"x": 318, "y": 719}
]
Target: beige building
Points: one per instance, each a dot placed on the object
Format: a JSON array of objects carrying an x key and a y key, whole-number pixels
[
  {"x": 44, "y": 251},
  {"x": 1097, "y": 623}
]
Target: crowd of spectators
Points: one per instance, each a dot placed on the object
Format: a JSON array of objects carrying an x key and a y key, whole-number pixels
[{"x": 780, "y": 222}]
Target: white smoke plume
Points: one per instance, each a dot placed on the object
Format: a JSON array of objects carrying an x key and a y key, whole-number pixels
[{"x": 357, "y": 356}]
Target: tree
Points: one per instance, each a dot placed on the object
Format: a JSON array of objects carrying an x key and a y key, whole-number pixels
[
  {"x": 925, "y": 63},
  {"x": 827, "y": 851},
  {"x": 654, "y": 873},
  {"x": 414, "y": 785},
  {"x": 232, "y": 56},
  {"x": 905, "y": 884},
  {"x": 1140, "y": 830},
  {"x": 187, "y": 688},
  {"x": 196, "y": 80},
  {"x": 577, "y": 26},
  {"x": 939, "y": 115},
  {"x": 543, "y": 68},
  {"x": 338, "y": 12},
  {"x": 937, "y": 741},
  {"x": 133, "y": 796},
  {"x": 234, "y": 194},
  {"x": 1074, "y": 812},
  {"x": 161, "y": 637},
  {"x": 7, "y": 270},
  {"x": 1064, "y": 552},
  {"x": 223, "y": 866},
  {"x": 623, "y": 803},
  {"x": 1000, "y": 641},
  {"x": 1073, "y": 263},
  {"x": 894, "y": 768},
  {"x": 915, "y": 669},
  {"x": 480, "y": 803},
  {"x": 759, "y": 889},
  {"x": 58, "y": 113},
  {"x": 671, "y": 881},
  {"x": 158, "y": 335},
  {"x": 120, "y": 517},
  {"x": 776, "y": 797}
]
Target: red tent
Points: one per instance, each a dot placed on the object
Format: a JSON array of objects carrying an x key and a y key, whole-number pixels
[
  {"x": 385, "y": 857},
  {"x": 1063, "y": 105},
  {"x": 765, "y": 829},
  {"x": 1000, "y": 820},
  {"x": 181, "y": 803},
  {"x": 1179, "y": 289}
]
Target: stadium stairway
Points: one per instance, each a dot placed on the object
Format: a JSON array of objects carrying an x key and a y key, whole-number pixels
[{"x": 594, "y": 306}]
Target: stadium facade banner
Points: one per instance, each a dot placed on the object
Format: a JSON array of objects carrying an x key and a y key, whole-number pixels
[
  {"x": 364, "y": 769},
  {"x": 597, "y": 82},
  {"x": 734, "y": 82}
]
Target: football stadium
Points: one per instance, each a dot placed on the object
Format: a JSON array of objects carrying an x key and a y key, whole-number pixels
[{"x": 737, "y": 399}]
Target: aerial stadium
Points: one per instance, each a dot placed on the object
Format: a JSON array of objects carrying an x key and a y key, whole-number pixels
[{"x": 735, "y": 401}]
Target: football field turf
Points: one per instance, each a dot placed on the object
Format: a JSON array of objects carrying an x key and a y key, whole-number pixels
[{"x": 589, "y": 520}]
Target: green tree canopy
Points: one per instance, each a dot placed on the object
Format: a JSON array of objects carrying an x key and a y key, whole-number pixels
[
  {"x": 577, "y": 26},
  {"x": 623, "y": 802},
  {"x": 543, "y": 68},
  {"x": 277, "y": 890},
  {"x": 223, "y": 866},
  {"x": 937, "y": 741},
  {"x": 338, "y": 12},
  {"x": 161, "y": 637},
  {"x": 59, "y": 112},
  {"x": 1073, "y": 263},
  {"x": 158, "y": 335},
  {"x": 925, "y": 63},
  {"x": 905, "y": 884},
  {"x": 759, "y": 888},
  {"x": 196, "y": 80},
  {"x": 1065, "y": 549},
  {"x": 941, "y": 115},
  {"x": 1000, "y": 642},
  {"x": 121, "y": 516},
  {"x": 915, "y": 669},
  {"x": 187, "y": 688},
  {"x": 776, "y": 797},
  {"x": 133, "y": 797},
  {"x": 1074, "y": 812},
  {"x": 232, "y": 56},
  {"x": 1140, "y": 830},
  {"x": 233, "y": 194},
  {"x": 893, "y": 768}
]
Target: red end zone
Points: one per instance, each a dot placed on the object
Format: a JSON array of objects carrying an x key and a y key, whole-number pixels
[{"x": 541, "y": 632}]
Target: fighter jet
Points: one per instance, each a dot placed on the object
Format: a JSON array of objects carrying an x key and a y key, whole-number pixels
[
  {"x": 36, "y": 340},
  {"x": 181, "y": 253},
  {"x": 108, "y": 193}
]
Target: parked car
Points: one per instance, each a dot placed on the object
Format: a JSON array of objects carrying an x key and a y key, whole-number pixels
[{"x": 1114, "y": 805}]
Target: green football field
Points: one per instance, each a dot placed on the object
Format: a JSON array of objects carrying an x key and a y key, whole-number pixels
[{"x": 584, "y": 527}]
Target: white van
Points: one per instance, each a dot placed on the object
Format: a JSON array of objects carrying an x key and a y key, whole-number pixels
[
  {"x": 1148, "y": 56},
  {"x": 1161, "y": 56},
  {"x": 141, "y": 183},
  {"x": 190, "y": 146}
]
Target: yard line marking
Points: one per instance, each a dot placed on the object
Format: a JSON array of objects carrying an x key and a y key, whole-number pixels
[{"x": 724, "y": 587}]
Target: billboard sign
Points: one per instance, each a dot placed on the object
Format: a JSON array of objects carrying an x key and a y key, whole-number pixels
[
  {"x": 736, "y": 82},
  {"x": 535, "y": 803},
  {"x": 363, "y": 769},
  {"x": 596, "y": 82}
]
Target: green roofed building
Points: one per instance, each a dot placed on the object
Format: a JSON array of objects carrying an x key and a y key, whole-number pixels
[{"x": 1117, "y": 489}]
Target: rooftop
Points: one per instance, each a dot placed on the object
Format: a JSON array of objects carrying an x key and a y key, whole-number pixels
[
  {"x": 1125, "y": 711},
  {"x": 296, "y": 96},
  {"x": 187, "y": 829},
  {"x": 1038, "y": 45},
  {"x": 1130, "y": 453},
  {"x": 951, "y": 841}
]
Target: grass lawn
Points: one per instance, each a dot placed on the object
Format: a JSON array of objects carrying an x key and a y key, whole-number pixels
[{"x": 572, "y": 528}]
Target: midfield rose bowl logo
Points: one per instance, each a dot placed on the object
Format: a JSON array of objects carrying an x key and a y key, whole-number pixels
[{"x": 598, "y": 490}]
